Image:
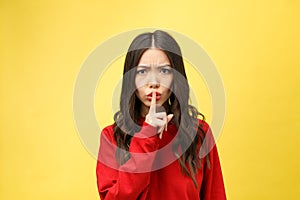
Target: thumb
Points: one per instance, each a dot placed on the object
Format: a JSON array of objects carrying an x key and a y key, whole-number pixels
[{"x": 169, "y": 117}]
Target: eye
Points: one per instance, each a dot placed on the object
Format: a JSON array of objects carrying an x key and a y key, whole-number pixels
[
  {"x": 166, "y": 70},
  {"x": 141, "y": 71}
]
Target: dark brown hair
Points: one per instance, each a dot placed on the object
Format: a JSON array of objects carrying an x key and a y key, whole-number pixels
[{"x": 185, "y": 116}]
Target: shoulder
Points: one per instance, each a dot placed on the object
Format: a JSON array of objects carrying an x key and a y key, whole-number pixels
[
  {"x": 206, "y": 133},
  {"x": 207, "y": 136},
  {"x": 204, "y": 125},
  {"x": 109, "y": 128},
  {"x": 108, "y": 132}
]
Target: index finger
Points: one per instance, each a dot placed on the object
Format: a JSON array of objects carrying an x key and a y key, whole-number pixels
[{"x": 152, "y": 109}]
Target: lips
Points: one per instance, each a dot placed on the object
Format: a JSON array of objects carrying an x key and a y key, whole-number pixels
[{"x": 158, "y": 96}]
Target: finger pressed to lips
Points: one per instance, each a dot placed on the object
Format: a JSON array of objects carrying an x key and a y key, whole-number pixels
[
  {"x": 152, "y": 109},
  {"x": 149, "y": 98},
  {"x": 158, "y": 119},
  {"x": 154, "y": 94}
]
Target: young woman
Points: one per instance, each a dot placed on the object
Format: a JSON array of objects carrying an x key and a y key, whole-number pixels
[{"x": 157, "y": 148}]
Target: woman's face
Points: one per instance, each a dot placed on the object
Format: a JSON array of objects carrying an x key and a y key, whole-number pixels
[{"x": 153, "y": 73}]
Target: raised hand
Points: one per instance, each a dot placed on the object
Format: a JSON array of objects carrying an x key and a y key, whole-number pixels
[{"x": 159, "y": 120}]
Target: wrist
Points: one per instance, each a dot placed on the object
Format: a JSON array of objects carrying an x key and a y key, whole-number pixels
[{"x": 147, "y": 131}]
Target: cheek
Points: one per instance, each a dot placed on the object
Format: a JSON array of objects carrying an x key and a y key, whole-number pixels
[
  {"x": 139, "y": 92},
  {"x": 167, "y": 82},
  {"x": 139, "y": 83}
]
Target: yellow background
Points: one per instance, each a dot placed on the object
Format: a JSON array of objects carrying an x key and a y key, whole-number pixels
[{"x": 254, "y": 44}]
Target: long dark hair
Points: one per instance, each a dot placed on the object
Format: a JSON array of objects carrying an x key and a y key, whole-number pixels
[{"x": 185, "y": 116}]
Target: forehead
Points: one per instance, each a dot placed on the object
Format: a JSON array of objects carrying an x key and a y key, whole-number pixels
[{"x": 154, "y": 56}]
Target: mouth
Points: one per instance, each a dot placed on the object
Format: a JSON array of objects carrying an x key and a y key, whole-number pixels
[{"x": 158, "y": 96}]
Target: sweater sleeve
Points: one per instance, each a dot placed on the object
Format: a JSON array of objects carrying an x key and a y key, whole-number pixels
[
  {"x": 212, "y": 185},
  {"x": 130, "y": 180}
]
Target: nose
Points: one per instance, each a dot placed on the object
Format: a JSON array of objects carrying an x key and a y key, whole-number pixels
[
  {"x": 153, "y": 81},
  {"x": 154, "y": 85}
]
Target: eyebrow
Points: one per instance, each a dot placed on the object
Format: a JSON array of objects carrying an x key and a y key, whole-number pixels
[{"x": 159, "y": 66}]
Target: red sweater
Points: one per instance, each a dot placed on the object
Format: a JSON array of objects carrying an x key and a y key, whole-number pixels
[{"x": 142, "y": 177}]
